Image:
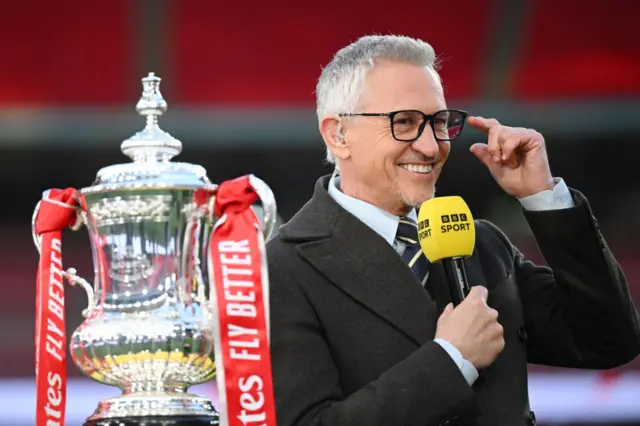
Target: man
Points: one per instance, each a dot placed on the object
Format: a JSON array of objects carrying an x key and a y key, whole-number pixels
[{"x": 359, "y": 337}]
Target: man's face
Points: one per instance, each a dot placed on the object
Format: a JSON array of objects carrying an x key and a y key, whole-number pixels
[{"x": 379, "y": 169}]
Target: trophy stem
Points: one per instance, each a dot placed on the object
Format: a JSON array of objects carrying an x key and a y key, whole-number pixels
[{"x": 152, "y": 387}]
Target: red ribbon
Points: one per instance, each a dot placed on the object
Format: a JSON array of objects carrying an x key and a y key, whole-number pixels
[
  {"x": 242, "y": 346},
  {"x": 58, "y": 210}
]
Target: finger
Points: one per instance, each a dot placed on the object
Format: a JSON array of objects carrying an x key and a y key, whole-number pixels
[
  {"x": 482, "y": 124},
  {"x": 498, "y": 329},
  {"x": 447, "y": 310},
  {"x": 493, "y": 314},
  {"x": 509, "y": 151},
  {"x": 481, "y": 150},
  {"x": 478, "y": 292},
  {"x": 495, "y": 148}
]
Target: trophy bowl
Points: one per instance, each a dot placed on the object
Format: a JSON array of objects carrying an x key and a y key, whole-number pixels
[{"x": 149, "y": 323}]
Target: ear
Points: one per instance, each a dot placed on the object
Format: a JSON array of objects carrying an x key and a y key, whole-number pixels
[{"x": 334, "y": 135}]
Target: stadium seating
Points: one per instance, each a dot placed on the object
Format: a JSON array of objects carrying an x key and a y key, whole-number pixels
[
  {"x": 54, "y": 53},
  {"x": 289, "y": 42},
  {"x": 571, "y": 50}
]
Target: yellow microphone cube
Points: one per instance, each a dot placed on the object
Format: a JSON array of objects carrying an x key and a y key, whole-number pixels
[{"x": 445, "y": 228}]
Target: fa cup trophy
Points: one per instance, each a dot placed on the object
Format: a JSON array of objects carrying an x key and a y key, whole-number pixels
[{"x": 180, "y": 293}]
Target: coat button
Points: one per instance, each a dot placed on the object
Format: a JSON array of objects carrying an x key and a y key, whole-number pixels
[{"x": 522, "y": 334}]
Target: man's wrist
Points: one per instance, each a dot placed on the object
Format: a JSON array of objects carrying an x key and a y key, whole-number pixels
[
  {"x": 548, "y": 186},
  {"x": 466, "y": 368},
  {"x": 555, "y": 199}
]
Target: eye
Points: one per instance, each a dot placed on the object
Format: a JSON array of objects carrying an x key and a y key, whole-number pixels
[
  {"x": 407, "y": 119},
  {"x": 404, "y": 121}
]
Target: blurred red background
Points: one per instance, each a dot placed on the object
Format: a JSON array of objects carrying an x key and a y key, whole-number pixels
[{"x": 240, "y": 81}]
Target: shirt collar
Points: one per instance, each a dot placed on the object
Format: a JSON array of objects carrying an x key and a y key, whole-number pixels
[{"x": 382, "y": 222}]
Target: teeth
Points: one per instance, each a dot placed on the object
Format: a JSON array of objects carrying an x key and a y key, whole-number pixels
[{"x": 418, "y": 168}]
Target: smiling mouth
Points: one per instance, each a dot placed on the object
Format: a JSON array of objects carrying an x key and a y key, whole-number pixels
[{"x": 418, "y": 168}]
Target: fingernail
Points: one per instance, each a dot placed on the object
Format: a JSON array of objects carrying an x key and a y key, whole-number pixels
[
  {"x": 504, "y": 156},
  {"x": 496, "y": 158}
]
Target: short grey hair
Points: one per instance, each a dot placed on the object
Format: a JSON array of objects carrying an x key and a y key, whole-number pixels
[{"x": 342, "y": 80}]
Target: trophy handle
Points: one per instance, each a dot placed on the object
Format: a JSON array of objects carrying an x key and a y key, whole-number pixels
[
  {"x": 70, "y": 274},
  {"x": 268, "y": 205}
]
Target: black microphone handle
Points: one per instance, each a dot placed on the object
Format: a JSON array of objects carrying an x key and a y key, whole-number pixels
[{"x": 456, "y": 279}]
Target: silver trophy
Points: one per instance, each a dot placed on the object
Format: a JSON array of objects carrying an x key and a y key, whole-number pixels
[{"x": 148, "y": 327}]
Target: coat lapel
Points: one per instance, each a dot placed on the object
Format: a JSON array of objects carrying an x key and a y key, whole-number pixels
[
  {"x": 475, "y": 273},
  {"x": 361, "y": 264},
  {"x": 438, "y": 287}
]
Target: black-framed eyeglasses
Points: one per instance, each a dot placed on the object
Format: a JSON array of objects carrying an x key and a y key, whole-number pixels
[{"x": 408, "y": 125}]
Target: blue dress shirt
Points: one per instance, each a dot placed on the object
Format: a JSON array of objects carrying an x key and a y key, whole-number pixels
[{"x": 386, "y": 224}]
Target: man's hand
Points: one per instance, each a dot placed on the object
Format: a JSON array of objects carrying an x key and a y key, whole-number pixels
[
  {"x": 473, "y": 328},
  {"x": 516, "y": 157}
]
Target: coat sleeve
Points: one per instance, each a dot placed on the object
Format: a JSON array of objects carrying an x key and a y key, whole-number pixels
[
  {"x": 578, "y": 310},
  {"x": 425, "y": 389}
]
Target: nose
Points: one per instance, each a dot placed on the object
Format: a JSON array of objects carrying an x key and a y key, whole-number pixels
[{"x": 427, "y": 143}]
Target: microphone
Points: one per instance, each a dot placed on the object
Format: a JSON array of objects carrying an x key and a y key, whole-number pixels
[{"x": 447, "y": 234}]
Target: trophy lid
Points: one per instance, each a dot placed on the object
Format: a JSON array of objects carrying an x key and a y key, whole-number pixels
[{"x": 151, "y": 150}]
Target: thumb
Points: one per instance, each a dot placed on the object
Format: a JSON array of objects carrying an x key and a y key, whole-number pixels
[
  {"x": 478, "y": 292},
  {"x": 481, "y": 150}
]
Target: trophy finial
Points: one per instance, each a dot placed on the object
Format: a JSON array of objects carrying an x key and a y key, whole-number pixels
[
  {"x": 152, "y": 143},
  {"x": 151, "y": 104}
]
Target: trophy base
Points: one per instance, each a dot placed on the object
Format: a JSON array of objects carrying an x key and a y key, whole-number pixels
[
  {"x": 154, "y": 408},
  {"x": 156, "y": 421}
]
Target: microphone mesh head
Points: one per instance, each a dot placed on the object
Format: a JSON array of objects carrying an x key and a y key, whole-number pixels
[{"x": 446, "y": 228}]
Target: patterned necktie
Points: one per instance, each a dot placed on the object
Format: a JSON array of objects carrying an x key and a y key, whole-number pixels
[{"x": 413, "y": 256}]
